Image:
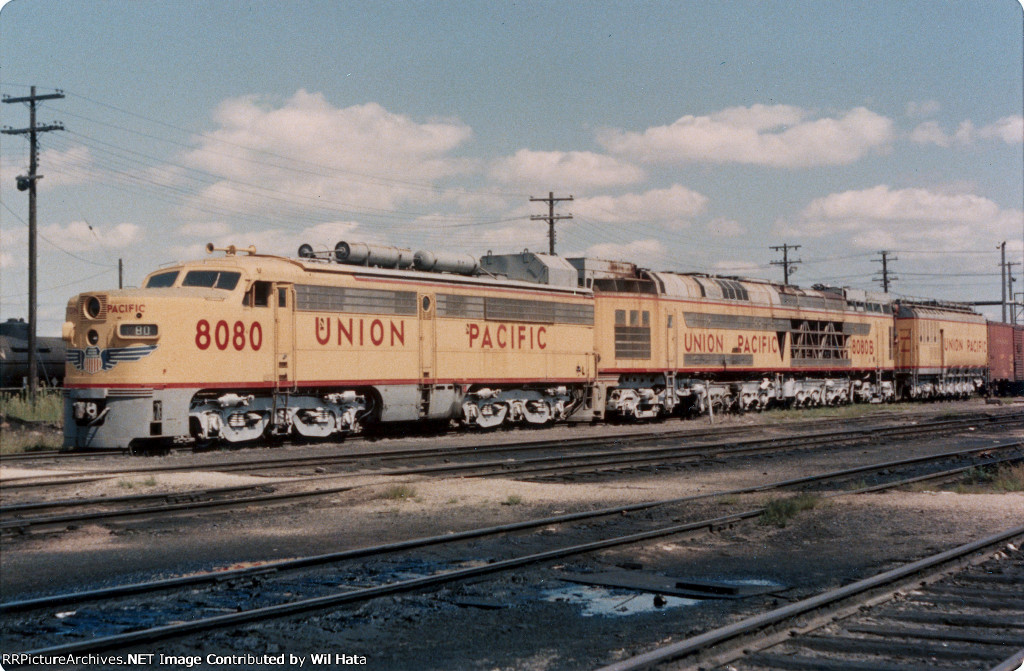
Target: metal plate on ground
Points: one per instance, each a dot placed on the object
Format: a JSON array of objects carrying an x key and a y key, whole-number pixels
[{"x": 687, "y": 587}]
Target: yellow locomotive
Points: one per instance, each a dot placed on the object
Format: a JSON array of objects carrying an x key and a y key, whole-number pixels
[
  {"x": 671, "y": 340},
  {"x": 242, "y": 346}
]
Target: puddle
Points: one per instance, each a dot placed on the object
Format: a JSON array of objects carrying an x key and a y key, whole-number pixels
[{"x": 610, "y": 602}]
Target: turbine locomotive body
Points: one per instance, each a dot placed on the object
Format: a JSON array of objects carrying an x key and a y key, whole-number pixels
[{"x": 242, "y": 346}]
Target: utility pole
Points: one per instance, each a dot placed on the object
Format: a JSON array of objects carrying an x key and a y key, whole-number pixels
[
  {"x": 551, "y": 217},
  {"x": 28, "y": 182},
  {"x": 886, "y": 277},
  {"x": 787, "y": 265},
  {"x": 120, "y": 273},
  {"x": 1002, "y": 281},
  {"x": 1009, "y": 289}
]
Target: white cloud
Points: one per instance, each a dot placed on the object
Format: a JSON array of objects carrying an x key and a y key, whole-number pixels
[
  {"x": 1009, "y": 129},
  {"x": 573, "y": 170},
  {"x": 881, "y": 217},
  {"x": 930, "y": 132},
  {"x": 923, "y": 109},
  {"x": 205, "y": 229},
  {"x": 306, "y": 154},
  {"x": 646, "y": 253},
  {"x": 777, "y": 135},
  {"x": 80, "y": 236},
  {"x": 721, "y": 227},
  {"x": 669, "y": 208}
]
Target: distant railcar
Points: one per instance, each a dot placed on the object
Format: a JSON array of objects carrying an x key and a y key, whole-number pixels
[
  {"x": 50, "y": 356},
  {"x": 942, "y": 350},
  {"x": 1006, "y": 358}
]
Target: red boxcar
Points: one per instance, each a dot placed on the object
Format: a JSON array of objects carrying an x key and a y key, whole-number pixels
[{"x": 1006, "y": 358}]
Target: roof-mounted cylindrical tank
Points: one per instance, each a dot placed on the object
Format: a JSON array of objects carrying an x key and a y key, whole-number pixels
[
  {"x": 362, "y": 254},
  {"x": 444, "y": 262}
]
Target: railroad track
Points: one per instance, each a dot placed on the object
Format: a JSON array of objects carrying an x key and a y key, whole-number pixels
[
  {"x": 284, "y": 588},
  {"x": 567, "y": 458},
  {"x": 958, "y": 609},
  {"x": 24, "y": 518},
  {"x": 56, "y": 456}
]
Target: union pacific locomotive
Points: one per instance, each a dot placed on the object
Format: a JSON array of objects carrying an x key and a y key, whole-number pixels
[{"x": 243, "y": 346}]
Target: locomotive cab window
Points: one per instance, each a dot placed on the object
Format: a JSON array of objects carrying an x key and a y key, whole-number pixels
[
  {"x": 282, "y": 297},
  {"x": 213, "y": 279},
  {"x": 258, "y": 295},
  {"x": 162, "y": 280}
]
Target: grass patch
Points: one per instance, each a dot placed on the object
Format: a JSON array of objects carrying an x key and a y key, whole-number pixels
[
  {"x": 400, "y": 493},
  {"x": 728, "y": 500},
  {"x": 131, "y": 484},
  {"x": 778, "y": 512},
  {"x": 1009, "y": 478},
  {"x": 836, "y": 412},
  {"x": 49, "y": 406},
  {"x": 14, "y": 441},
  {"x": 512, "y": 500},
  {"x": 982, "y": 480}
]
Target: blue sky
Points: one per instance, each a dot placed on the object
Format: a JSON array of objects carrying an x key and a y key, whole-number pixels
[{"x": 693, "y": 135}]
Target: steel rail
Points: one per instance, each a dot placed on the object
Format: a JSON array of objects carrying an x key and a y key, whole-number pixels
[
  {"x": 1012, "y": 663},
  {"x": 539, "y": 464},
  {"x": 35, "y": 481},
  {"x": 294, "y": 564},
  {"x": 566, "y": 443},
  {"x": 367, "y": 593},
  {"x": 830, "y": 599}
]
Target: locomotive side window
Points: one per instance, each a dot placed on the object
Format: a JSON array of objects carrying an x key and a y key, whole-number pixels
[
  {"x": 282, "y": 297},
  {"x": 620, "y": 317},
  {"x": 213, "y": 279},
  {"x": 258, "y": 295},
  {"x": 162, "y": 280}
]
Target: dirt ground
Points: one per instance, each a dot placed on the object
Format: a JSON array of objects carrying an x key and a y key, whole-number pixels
[{"x": 533, "y": 619}]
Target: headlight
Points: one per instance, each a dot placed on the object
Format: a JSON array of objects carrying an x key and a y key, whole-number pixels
[
  {"x": 93, "y": 307},
  {"x": 92, "y": 336}
]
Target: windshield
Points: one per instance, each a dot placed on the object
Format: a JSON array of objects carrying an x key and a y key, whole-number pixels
[
  {"x": 214, "y": 279},
  {"x": 162, "y": 280}
]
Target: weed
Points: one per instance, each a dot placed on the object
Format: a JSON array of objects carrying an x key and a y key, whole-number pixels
[
  {"x": 400, "y": 493},
  {"x": 512, "y": 500},
  {"x": 729, "y": 500},
  {"x": 49, "y": 406},
  {"x": 778, "y": 512},
  {"x": 977, "y": 475},
  {"x": 131, "y": 484},
  {"x": 1009, "y": 478},
  {"x": 16, "y": 442}
]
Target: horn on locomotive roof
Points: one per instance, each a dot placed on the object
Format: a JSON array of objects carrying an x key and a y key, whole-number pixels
[{"x": 230, "y": 250}]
